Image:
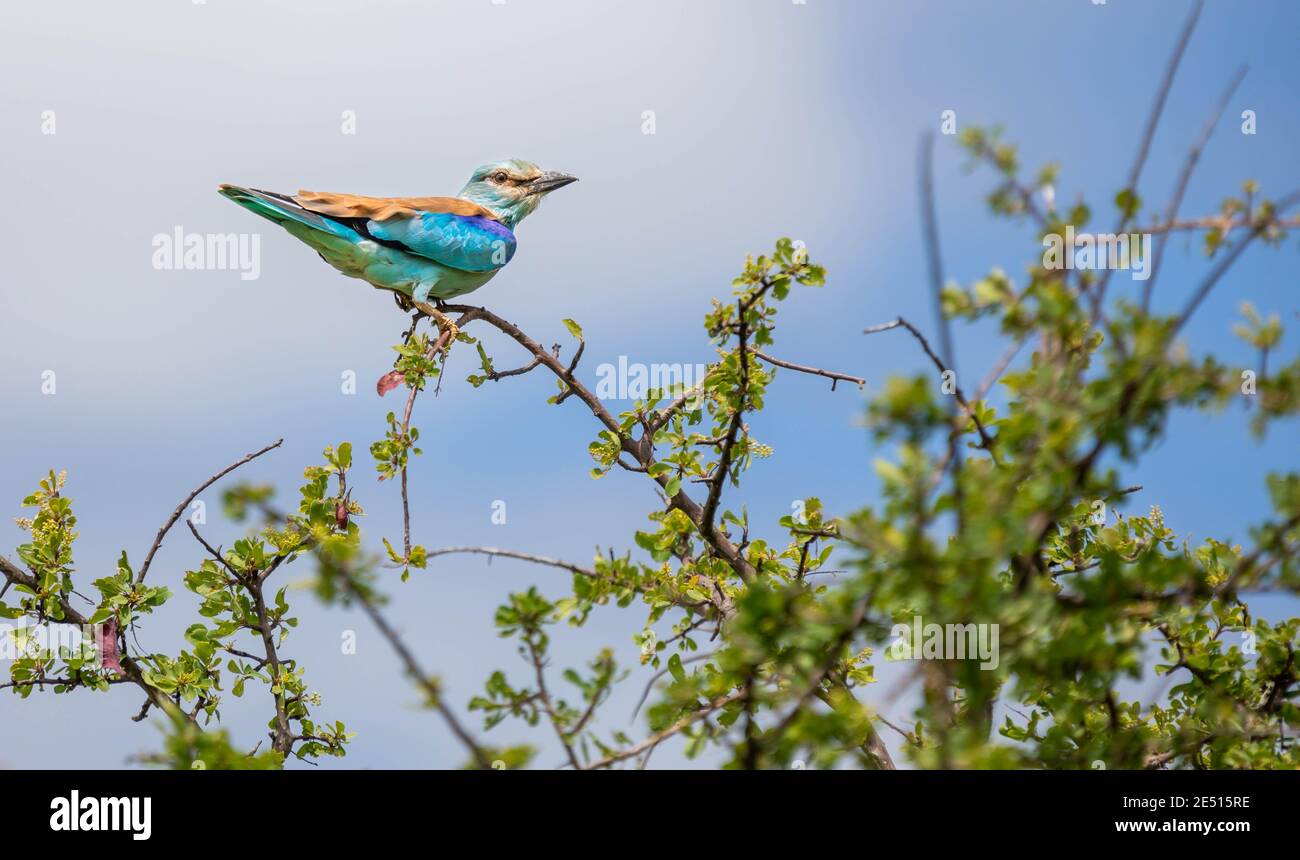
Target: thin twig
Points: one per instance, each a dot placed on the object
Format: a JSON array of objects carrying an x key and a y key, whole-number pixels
[
  {"x": 215, "y": 553},
  {"x": 282, "y": 739},
  {"x": 1144, "y": 147},
  {"x": 180, "y": 509},
  {"x": 521, "y": 556},
  {"x": 568, "y": 374},
  {"x": 833, "y": 376},
  {"x": 497, "y": 375},
  {"x": 645, "y": 694},
  {"x": 548, "y": 705},
  {"x": 986, "y": 441},
  {"x": 1222, "y": 223},
  {"x": 442, "y": 343},
  {"x": 995, "y": 373},
  {"x": 1193, "y": 157},
  {"x": 417, "y": 674},
  {"x": 655, "y": 739},
  {"x": 1225, "y": 263},
  {"x": 933, "y": 255}
]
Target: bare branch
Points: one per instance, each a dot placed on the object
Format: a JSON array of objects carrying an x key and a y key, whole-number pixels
[
  {"x": 498, "y": 375},
  {"x": 1194, "y": 156},
  {"x": 417, "y": 674},
  {"x": 815, "y": 371},
  {"x": 933, "y": 255},
  {"x": 180, "y": 509},
  {"x": 215, "y": 553},
  {"x": 447, "y": 331},
  {"x": 573, "y": 366},
  {"x": 1144, "y": 147},
  {"x": 521, "y": 556},
  {"x": 549, "y": 361}
]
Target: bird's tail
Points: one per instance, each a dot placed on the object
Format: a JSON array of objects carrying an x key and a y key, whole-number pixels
[{"x": 282, "y": 209}]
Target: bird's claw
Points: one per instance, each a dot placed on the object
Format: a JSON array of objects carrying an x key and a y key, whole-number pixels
[{"x": 446, "y": 327}]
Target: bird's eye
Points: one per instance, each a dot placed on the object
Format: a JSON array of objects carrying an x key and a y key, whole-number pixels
[{"x": 500, "y": 176}]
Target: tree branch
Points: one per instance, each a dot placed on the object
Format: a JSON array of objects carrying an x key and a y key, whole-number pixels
[
  {"x": 130, "y": 668},
  {"x": 1193, "y": 157},
  {"x": 986, "y": 441},
  {"x": 547, "y": 705},
  {"x": 1144, "y": 147},
  {"x": 723, "y": 471},
  {"x": 282, "y": 738},
  {"x": 639, "y": 451},
  {"x": 180, "y": 509},
  {"x": 1226, "y": 263},
  {"x": 655, "y": 739},
  {"x": 815, "y": 371},
  {"x": 417, "y": 674},
  {"x": 521, "y": 556}
]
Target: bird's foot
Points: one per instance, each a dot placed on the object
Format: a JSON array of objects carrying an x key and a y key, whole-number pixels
[{"x": 446, "y": 327}]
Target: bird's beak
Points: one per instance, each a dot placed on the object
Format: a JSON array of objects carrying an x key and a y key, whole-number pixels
[{"x": 550, "y": 181}]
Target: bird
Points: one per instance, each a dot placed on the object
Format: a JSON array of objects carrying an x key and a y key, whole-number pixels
[{"x": 420, "y": 248}]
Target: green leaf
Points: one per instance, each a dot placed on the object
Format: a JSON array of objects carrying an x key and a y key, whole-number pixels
[{"x": 676, "y": 670}]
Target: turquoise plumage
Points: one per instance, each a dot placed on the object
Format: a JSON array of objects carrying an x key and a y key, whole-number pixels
[{"x": 420, "y": 247}]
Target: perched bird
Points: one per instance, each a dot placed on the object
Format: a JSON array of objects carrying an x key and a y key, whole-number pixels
[{"x": 418, "y": 247}]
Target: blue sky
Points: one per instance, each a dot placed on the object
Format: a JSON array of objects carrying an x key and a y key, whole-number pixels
[{"x": 772, "y": 119}]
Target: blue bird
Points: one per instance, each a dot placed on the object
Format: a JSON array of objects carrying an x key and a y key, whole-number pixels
[{"x": 418, "y": 247}]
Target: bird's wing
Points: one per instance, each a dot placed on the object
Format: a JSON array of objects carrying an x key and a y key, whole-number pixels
[
  {"x": 471, "y": 243},
  {"x": 384, "y": 208},
  {"x": 448, "y": 230}
]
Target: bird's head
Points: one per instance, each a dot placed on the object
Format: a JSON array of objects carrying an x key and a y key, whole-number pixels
[{"x": 512, "y": 188}]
